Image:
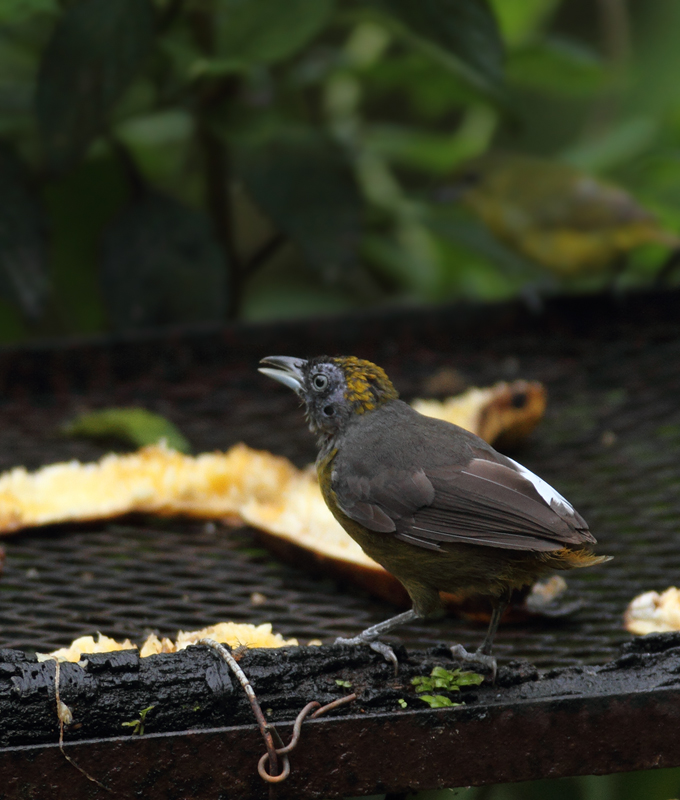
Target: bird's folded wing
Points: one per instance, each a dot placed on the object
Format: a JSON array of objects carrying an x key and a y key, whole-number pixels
[
  {"x": 483, "y": 502},
  {"x": 381, "y": 501}
]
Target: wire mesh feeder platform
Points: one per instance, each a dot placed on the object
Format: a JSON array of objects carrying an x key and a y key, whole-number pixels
[{"x": 610, "y": 442}]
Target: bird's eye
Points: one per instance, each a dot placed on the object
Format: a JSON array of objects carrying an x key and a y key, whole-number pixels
[
  {"x": 328, "y": 411},
  {"x": 320, "y": 382}
]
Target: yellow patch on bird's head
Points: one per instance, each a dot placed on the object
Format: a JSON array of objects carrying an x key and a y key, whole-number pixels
[{"x": 367, "y": 384}]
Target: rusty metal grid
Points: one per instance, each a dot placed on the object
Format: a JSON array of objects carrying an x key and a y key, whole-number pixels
[{"x": 610, "y": 442}]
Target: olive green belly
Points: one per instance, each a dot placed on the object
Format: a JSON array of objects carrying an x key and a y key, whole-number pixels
[{"x": 462, "y": 569}]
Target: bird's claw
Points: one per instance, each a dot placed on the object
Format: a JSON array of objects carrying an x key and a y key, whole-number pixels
[
  {"x": 380, "y": 647},
  {"x": 478, "y": 657},
  {"x": 387, "y": 653}
]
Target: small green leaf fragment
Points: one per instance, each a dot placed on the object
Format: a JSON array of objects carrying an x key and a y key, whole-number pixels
[
  {"x": 137, "y": 725},
  {"x": 470, "y": 679},
  {"x": 402, "y": 702},
  {"x": 344, "y": 684},
  {"x": 438, "y": 701},
  {"x": 464, "y": 29},
  {"x": 135, "y": 426},
  {"x": 450, "y": 680},
  {"x": 267, "y": 31}
]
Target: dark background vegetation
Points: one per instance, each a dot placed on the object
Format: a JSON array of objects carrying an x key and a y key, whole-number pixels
[
  {"x": 190, "y": 161},
  {"x": 169, "y": 161}
]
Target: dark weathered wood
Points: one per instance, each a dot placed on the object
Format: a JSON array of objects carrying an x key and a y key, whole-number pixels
[
  {"x": 108, "y": 690},
  {"x": 587, "y": 720},
  {"x": 193, "y": 688}
]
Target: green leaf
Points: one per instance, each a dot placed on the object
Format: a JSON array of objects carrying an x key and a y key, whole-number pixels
[
  {"x": 468, "y": 679},
  {"x": 17, "y": 90},
  {"x": 520, "y": 20},
  {"x": 161, "y": 264},
  {"x": 135, "y": 426},
  {"x": 80, "y": 205},
  {"x": 137, "y": 725},
  {"x": 438, "y": 701},
  {"x": 307, "y": 189},
  {"x": 465, "y": 29},
  {"x": 557, "y": 66},
  {"x": 286, "y": 296},
  {"x": 429, "y": 89},
  {"x": 620, "y": 144},
  {"x": 178, "y": 48},
  {"x": 450, "y": 680},
  {"x": 95, "y": 51},
  {"x": 344, "y": 684},
  {"x": 24, "y": 280},
  {"x": 437, "y": 153},
  {"x": 252, "y": 31},
  {"x": 402, "y": 702},
  {"x": 13, "y": 12},
  {"x": 458, "y": 225}
]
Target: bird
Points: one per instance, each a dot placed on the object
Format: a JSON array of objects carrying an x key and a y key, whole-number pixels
[
  {"x": 562, "y": 218},
  {"x": 434, "y": 504}
]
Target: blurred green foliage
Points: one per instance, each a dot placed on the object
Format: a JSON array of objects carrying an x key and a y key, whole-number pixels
[{"x": 180, "y": 161}]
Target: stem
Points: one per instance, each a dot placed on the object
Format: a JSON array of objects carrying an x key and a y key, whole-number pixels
[
  {"x": 132, "y": 174},
  {"x": 168, "y": 15},
  {"x": 215, "y": 153},
  {"x": 263, "y": 254},
  {"x": 615, "y": 33},
  {"x": 218, "y": 200}
]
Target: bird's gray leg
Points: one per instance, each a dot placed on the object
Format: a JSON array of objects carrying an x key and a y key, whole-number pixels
[
  {"x": 370, "y": 635},
  {"x": 496, "y": 615},
  {"x": 483, "y": 654}
]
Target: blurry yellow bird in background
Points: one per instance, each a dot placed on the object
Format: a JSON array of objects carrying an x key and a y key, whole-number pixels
[{"x": 558, "y": 216}]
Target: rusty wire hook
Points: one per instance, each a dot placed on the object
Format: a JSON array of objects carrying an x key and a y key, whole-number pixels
[
  {"x": 264, "y": 727},
  {"x": 295, "y": 738},
  {"x": 268, "y": 731}
]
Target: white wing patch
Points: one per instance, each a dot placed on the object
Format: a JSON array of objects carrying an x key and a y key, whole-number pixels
[{"x": 546, "y": 491}]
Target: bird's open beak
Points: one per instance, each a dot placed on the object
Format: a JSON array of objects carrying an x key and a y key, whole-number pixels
[{"x": 286, "y": 370}]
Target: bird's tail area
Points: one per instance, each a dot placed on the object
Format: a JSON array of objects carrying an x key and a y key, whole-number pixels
[{"x": 574, "y": 559}]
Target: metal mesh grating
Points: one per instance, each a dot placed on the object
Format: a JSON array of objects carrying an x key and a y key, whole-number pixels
[
  {"x": 127, "y": 580},
  {"x": 610, "y": 443}
]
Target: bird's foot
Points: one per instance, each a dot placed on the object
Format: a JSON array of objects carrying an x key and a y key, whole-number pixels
[
  {"x": 380, "y": 647},
  {"x": 478, "y": 657}
]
